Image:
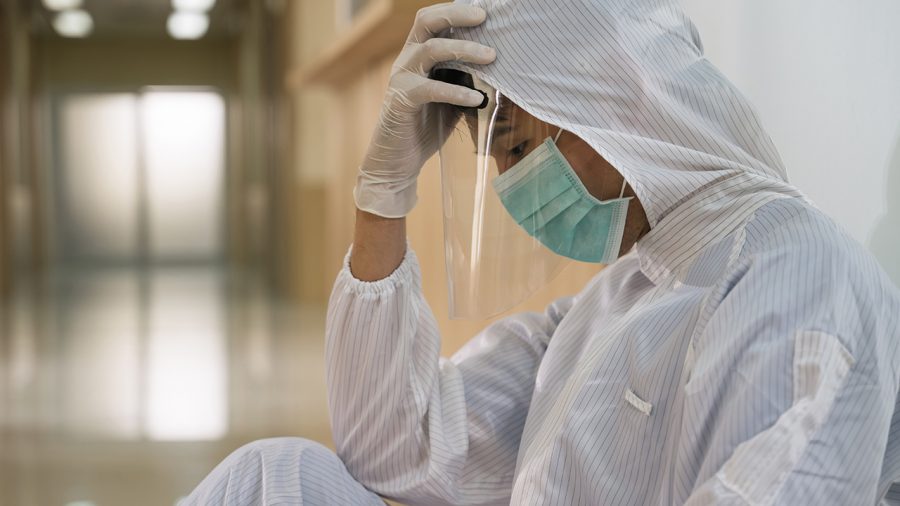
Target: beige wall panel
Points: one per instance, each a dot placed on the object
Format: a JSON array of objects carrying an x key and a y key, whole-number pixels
[
  {"x": 315, "y": 280},
  {"x": 317, "y": 28},
  {"x": 359, "y": 104}
]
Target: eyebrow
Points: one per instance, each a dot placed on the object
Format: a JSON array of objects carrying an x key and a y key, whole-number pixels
[{"x": 502, "y": 130}]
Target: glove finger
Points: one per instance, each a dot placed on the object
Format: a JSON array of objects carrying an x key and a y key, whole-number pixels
[
  {"x": 434, "y": 19},
  {"x": 435, "y": 51},
  {"x": 437, "y": 91}
]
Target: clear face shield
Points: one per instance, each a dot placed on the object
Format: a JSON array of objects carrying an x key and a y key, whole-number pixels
[{"x": 493, "y": 260}]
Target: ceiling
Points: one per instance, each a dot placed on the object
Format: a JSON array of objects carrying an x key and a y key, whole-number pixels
[{"x": 138, "y": 18}]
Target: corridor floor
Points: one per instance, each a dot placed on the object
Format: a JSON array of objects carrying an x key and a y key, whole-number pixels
[{"x": 125, "y": 387}]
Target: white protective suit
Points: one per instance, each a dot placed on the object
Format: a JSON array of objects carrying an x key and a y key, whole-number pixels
[{"x": 746, "y": 352}]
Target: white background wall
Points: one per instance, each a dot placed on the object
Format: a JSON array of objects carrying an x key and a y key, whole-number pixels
[{"x": 825, "y": 77}]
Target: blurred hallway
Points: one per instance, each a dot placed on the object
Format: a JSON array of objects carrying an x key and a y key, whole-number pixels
[
  {"x": 149, "y": 316},
  {"x": 127, "y": 387}
]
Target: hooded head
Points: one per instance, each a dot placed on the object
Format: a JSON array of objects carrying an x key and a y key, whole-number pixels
[{"x": 630, "y": 79}]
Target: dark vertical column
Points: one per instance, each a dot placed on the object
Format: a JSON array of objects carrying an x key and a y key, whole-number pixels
[
  {"x": 5, "y": 156},
  {"x": 284, "y": 222},
  {"x": 35, "y": 167}
]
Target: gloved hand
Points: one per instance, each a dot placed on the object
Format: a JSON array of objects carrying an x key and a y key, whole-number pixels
[{"x": 406, "y": 134}]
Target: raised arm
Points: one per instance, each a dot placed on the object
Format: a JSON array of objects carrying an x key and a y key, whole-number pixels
[{"x": 411, "y": 425}]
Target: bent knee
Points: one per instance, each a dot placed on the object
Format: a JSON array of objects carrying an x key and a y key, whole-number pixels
[
  {"x": 284, "y": 449},
  {"x": 248, "y": 471},
  {"x": 276, "y": 444}
]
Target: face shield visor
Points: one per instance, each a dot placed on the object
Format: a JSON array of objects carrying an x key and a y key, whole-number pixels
[{"x": 493, "y": 263}]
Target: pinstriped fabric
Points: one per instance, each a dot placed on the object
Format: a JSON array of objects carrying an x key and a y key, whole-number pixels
[
  {"x": 745, "y": 352},
  {"x": 450, "y": 442},
  {"x": 790, "y": 397},
  {"x": 278, "y": 471}
]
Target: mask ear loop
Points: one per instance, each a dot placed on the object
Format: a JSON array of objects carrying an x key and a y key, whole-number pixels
[{"x": 557, "y": 135}]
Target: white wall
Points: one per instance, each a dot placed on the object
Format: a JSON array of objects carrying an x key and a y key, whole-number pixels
[{"x": 825, "y": 77}]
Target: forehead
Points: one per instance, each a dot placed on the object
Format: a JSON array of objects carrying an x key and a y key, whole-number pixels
[{"x": 507, "y": 117}]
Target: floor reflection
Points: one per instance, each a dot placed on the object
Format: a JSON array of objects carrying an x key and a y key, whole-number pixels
[{"x": 122, "y": 386}]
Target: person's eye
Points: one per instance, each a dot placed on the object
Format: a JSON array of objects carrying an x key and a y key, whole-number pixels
[{"x": 519, "y": 150}]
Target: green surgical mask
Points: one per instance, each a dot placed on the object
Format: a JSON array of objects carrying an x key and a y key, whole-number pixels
[{"x": 545, "y": 196}]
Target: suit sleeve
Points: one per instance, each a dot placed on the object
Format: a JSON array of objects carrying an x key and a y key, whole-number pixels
[
  {"x": 793, "y": 389},
  {"x": 411, "y": 425}
]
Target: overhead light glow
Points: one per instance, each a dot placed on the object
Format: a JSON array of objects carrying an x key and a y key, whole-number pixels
[
  {"x": 62, "y": 5},
  {"x": 73, "y": 23},
  {"x": 187, "y": 25},
  {"x": 193, "y": 5}
]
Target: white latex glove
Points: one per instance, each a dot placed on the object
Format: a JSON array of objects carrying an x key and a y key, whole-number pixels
[{"x": 406, "y": 135}]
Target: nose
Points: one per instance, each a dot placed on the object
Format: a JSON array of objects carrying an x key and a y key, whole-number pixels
[{"x": 504, "y": 163}]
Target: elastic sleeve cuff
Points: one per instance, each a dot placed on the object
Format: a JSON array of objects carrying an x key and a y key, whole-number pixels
[{"x": 406, "y": 274}]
